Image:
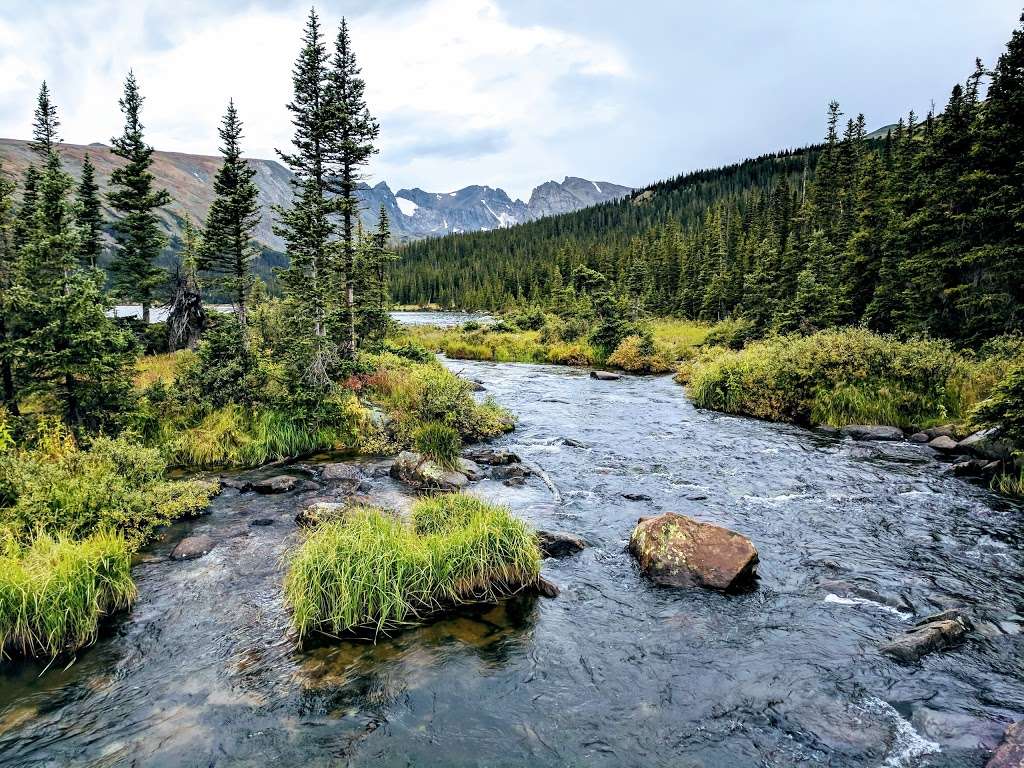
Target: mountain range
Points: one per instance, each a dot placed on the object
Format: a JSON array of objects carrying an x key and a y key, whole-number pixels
[{"x": 414, "y": 213}]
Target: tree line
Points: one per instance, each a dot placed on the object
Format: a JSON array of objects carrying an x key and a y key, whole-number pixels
[
  {"x": 58, "y": 345},
  {"x": 914, "y": 233}
]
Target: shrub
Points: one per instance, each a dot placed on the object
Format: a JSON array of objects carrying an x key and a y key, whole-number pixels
[
  {"x": 54, "y": 591},
  {"x": 733, "y": 333},
  {"x": 410, "y": 350},
  {"x": 835, "y": 377},
  {"x": 571, "y": 353},
  {"x": 639, "y": 354},
  {"x": 532, "y": 319},
  {"x": 375, "y": 571},
  {"x": 471, "y": 325},
  {"x": 223, "y": 371},
  {"x": 1005, "y": 407},
  {"x": 439, "y": 443},
  {"x": 116, "y": 485}
]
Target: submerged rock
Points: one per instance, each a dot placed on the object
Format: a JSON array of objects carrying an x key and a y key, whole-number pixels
[
  {"x": 569, "y": 442},
  {"x": 943, "y": 443},
  {"x": 559, "y": 543},
  {"x": 934, "y": 633},
  {"x": 679, "y": 551},
  {"x": 605, "y": 375},
  {"x": 276, "y": 484},
  {"x": 321, "y": 512},
  {"x": 1010, "y": 753},
  {"x": 423, "y": 474},
  {"x": 872, "y": 432},
  {"x": 636, "y": 497},
  {"x": 262, "y": 521},
  {"x": 510, "y": 472},
  {"x": 193, "y": 547},
  {"x": 342, "y": 471},
  {"x": 492, "y": 458},
  {"x": 546, "y": 588},
  {"x": 233, "y": 482}
]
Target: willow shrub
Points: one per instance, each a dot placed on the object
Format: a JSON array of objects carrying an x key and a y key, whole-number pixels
[
  {"x": 375, "y": 571},
  {"x": 837, "y": 377},
  {"x": 55, "y": 591},
  {"x": 115, "y": 485}
]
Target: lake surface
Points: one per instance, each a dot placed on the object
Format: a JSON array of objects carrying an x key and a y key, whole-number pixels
[
  {"x": 615, "y": 671},
  {"x": 441, "y": 319}
]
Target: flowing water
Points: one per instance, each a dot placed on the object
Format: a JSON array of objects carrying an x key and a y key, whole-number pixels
[{"x": 856, "y": 539}]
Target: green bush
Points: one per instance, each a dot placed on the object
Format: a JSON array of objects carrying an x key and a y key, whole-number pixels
[
  {"x": 639, "y": 354},
  {"x": 54, "y": 591},
  {"x": 375, "y": 571},
  {"x": 439, "y": 443},
  {"x": 1005, "y": 406},
  {"x": 836, "y": 377},
  {"x": 115, "y": 485},
  {"x": 224, "y": 371},
  {"x": 733, "y": 333}
]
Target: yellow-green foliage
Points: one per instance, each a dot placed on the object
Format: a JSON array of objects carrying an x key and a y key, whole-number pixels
[
  {"x": 837, "y": 377},
  {"x": 115, "y": 485},
  {"x": 439, "y": 443},
  {"x": 637, "y": 354},
  {"x": 54, "y": 591},
  {"x": 570, "y": 353},
  {"x": 373, "y": 570},
  {"x": 154, "y": 368}
]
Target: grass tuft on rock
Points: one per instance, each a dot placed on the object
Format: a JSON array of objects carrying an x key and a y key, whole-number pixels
[
  {"x": 55, "y": 591},
  {"x": 374, "y": 571}
]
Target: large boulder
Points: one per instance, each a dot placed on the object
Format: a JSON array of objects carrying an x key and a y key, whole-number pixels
[
  {"x": 986, "y": 443},
  {"x": 471, "y": 469},
  {"x": 934, "y": 633},
  {"x": 193, "y": 547},
  {"x": 679, "y": 551},
  {"x": 943, "y": 444},
  {"x": 559, "y": 544},
  {"x": 237, "y": 484},
  {"x": 342, "y": 471},
  {"x": 1010, "y": 753},
  {"x": 605, "y": 375},
  {"x": 276, "y": 484},
  {"x": 872, "y": 432},
  {"x": 424, "y": 474}
]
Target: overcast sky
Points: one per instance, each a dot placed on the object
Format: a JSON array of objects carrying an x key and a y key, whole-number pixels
[{"x": 507, "y": 93}]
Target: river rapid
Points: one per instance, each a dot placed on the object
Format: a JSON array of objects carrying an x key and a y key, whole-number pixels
[{"x": 856, "y": 540}]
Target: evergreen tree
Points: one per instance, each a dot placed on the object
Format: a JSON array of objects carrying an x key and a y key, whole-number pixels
[
  {"x": 44, "y": 125},
  {"x": 89, "y": 216},
  {"x": 7, "y": 267},
  {"x": 373, "y": 293},
  {"x": 27, "y": 210},
  {"x": 136, "y": 277},
  {"x": 353, "y": 132},
  {"x": 228, "y": 248}
]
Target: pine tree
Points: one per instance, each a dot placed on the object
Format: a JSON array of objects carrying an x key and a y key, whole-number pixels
[
  {"x": 7, "y": 268},
  {"x": 89, "y": 216},
  {"x": 25, "y": 219},
  {"x": 44, "y": 125},
  {"x": 228, "y": 250},
  {"x": 353, "y": 133},
  {"x": 373, "y": 294},
  {"x": 136, "y": 277}
]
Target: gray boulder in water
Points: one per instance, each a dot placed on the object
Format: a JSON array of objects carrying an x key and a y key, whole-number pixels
[
  {"x": 276, "y": 484},
  {"x": 559, "y": 544},
  {"x": 424, "y": 474},
  {"x": 679, "y": 551},
  {"x": 943, "y": 444},
  {"x": 492, "y": 457},
  {"x": 605, "y": 375},
  {"x": 872, "y": 432},
  {"x": 934, "y": 633},
  {"x": 986, "y": 443},
  {"x": 193, "y": 547}
]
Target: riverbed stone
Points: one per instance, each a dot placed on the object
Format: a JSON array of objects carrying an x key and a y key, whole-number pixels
[
  {"x": 236, "y": 483},
  {"x": 559, "y": 544},
  {"x": 605, "y": 375},
  {"x": 193, "y": 547},
  {"x": 919, "y": 437},
  {"x": 492, "y": 457},
  {"x": 986, "y": 444},
  {"x": 872, "y": 432},
  {"x": 424, "y": 474},
  {"x": 471, "y": 469},
  {"x": 510, "y": 472},
  {"x": 276, "y": 484},
  {"x": 1010, "y": 753},
  {"x": 321, "y": 512},
  {"x": 934, "y": 633},
  {"x": 546, "y": 588},
  {"x": 261, "y": 522},
  {"x": 636, "y": 497},
  {"x": 943, "y": 444},
  {"x": 342, "y": 471},
  {"x": 945, "y": 430},
  {"x": 676, "y": 550}
]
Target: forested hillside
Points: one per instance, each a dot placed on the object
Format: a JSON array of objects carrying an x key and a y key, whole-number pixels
[{"x": 917, "y": 232}]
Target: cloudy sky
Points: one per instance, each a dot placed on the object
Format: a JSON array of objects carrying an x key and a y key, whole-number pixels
[{"x": 508, "y": 93}]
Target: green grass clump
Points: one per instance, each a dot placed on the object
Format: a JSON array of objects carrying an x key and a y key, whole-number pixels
[
  {"x": 839, "y": 377},
  {"x": 374, "y": 571},
  {"x": 439, "y": 443},
  {"x": 55, "y": 591}
]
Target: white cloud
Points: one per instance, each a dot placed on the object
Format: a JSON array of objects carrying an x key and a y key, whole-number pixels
[{"x": 435, "y": 71}]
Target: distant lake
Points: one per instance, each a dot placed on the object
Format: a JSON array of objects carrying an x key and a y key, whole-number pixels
[
  {"x": 442, "y": 319},
  {"x": 157, "y": 314}
]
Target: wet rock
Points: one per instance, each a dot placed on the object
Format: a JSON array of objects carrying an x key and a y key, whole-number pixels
[
  {"x": 476, "y": 386},
  {"x": 872, "y": 432},
  {"x": 1010, "y": 753},
  {"x": 825, "y": 429},
  {"x": 546, "y": 588},
  {"x": 262, "y": 521},
  {"x": 943, "y": 443},
  {"x": 321, "y": 512},
  {"x": 636, "y": 497},
  {"x": 919, "y": 437},
  {"x": 471, "y": 470},
  {"x": 853, "y": 591},
  {"x": 969, "y": 468},
  {"x": 510, "y": 472},
  {"x": 492, "y": 458},
  {"x": 570, "y": 443},
  {"x": 695, "y": 497},
  {"x": 309, "y": 486},
  {"x": 515, "y": 482},
  {"x": 277, "y": 484},
  {"x": 946, "y": 430},
  {"x": 605, "y": 375},
  {"x": 233, "y": 482},
  {"x": 955, "y": 730},
  {"x": 679, "y": 551},
  {"x": 342, "y": 471},
  {"x": 934, "y": 633},
  {"x": 986, "y": 443},
  {"x": 423, "y": 474},
  {"x": 192, "y": 547},
  {"x": 559, "y": 543}
]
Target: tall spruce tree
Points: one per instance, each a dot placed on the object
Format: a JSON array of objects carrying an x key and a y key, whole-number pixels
[
  {"x": 372, "y": 291},
  {"x": 136, "y": 276},
  {"x": 351, "y": 146},
  {"x": 45, "y": 124},
  {"x": 89, "y": 216},
  {"x": 7, "y": 266},
  {"x": 228, "y": 249}
]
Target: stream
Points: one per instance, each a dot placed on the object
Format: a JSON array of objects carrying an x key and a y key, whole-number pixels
[{"x": 856, "y": 540}]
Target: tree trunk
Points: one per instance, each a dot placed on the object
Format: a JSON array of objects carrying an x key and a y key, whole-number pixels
[{"x": 145, "y": 313}]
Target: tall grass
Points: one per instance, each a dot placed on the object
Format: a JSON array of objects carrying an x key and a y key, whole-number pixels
[
  {"x": 439, "y": 443},
  {"x": 154, "y": 368},
  {"x": 55, "y": 591},
  {"x": 374, "y": 571}
]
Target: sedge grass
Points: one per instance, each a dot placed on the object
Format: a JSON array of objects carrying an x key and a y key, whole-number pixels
[
  {"x": 55, "y": 591},
  {"x": 374, "y": 571}
]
